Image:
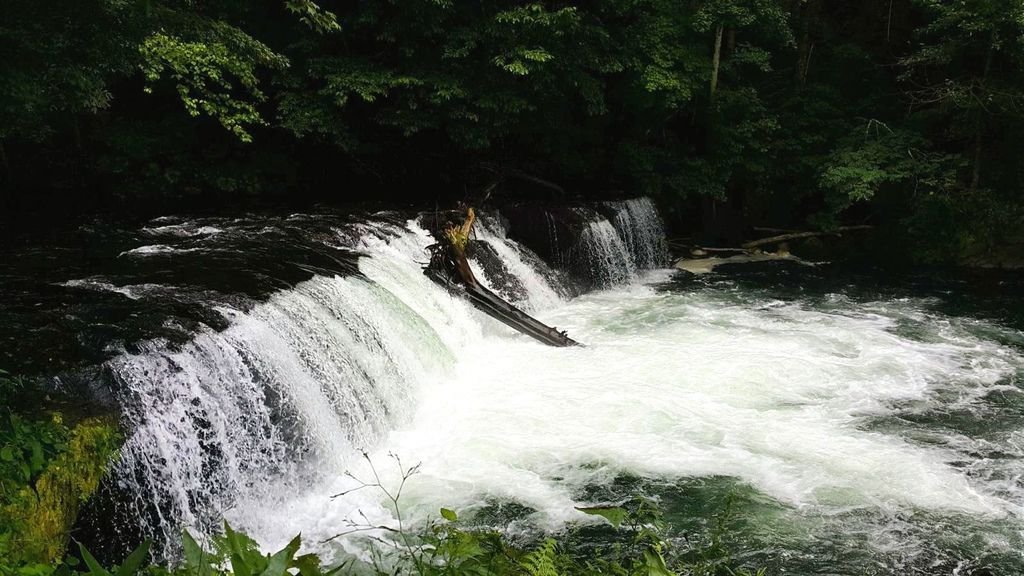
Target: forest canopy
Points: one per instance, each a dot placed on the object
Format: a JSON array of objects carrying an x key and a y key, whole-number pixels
[{"x": 906, "y": 114}]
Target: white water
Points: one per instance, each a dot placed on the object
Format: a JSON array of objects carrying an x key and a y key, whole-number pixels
[
  {"x": 532, "y": 274},
  {"x": 300, "y": 382},
  {"x": 610, "y": 260},
  {"x": 637, "y": 222},
  {"x": 674, "y": 386},
  {"x": 671, "y": 385}
]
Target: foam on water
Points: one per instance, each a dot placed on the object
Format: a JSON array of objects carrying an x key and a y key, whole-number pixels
[
  {"x": 678, "y": 385},
  {"x": 805, "y": 402},
  {"x": 184, "y": 230},
  {"x": 157, "y": 249},
  {"x": 133, "y": 292},
  {"x": 674, "y": 386}
]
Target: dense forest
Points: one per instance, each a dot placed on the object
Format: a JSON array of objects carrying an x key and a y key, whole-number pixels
[{"x": 905, "y": 114}]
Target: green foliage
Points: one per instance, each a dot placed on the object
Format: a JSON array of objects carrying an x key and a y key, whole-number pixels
[
  {"x": 25, "y": 448},
  {"x": 445, "y": 547},
  {"x": 440, "y": 549},
  {"x": 10, "y": 386},
  {"x": 131, "y": 565},
  {"x": 613, "y": 514},
  {"x": 209, "y": 71},
  {"x": 314, "y": 16},
  {"x": 243, "y": 556},
  {"x": 47, "y": 471},
  {"x": 595, "y": 95},
  {"x": 43, "y": 511},
  {"x": 737, "y": 14},
  {"x": 26, "y": 444},
  {"x": 866, "y": 162},
  {"x": 59, "y": 59}
]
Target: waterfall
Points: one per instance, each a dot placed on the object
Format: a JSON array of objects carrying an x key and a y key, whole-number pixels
[
  {"x": 637, "y": 222},
  {"x": 540, "y": 284},
  {"x": 615, "y": 250},
  {"x": 294, "y": 387},
  {"x": 606, "y": 253}
]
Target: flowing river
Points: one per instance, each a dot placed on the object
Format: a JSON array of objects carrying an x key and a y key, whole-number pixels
[
  {"x": 837, "y": 425},
  {"x": 852, "y": 436}
]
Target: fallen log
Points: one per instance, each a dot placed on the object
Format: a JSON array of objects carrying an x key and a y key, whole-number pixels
[
  {"x": 701, "y": 266},
  {"x": 798, "y": 235},
  {"x": 449, "y": 267}
]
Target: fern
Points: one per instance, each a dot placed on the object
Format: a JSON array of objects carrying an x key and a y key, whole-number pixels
[{"x": 541, "y": 562}]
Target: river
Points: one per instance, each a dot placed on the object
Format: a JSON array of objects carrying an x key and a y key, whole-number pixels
[{"x": 841, "y": 423}]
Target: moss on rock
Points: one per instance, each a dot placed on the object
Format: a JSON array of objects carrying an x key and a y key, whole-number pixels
[{"x": 42, "y": 514}]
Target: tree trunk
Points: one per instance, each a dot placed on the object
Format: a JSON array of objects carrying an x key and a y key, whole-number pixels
[
  {"x": 6, "y": 180},
  {"x": 806, "y": 12},
  {"x": 716, "y": 60},
  {"x": 449, "y": 266},
  {"x": 798, "y": 235},
  {"x": 980, "y": 128},
  {"x": 888, "y": 24},
  {"x": 976, "y": 164}
]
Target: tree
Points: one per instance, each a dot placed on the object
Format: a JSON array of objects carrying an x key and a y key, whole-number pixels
[
  {"x": 768, "y": 16},
  {"x": 968, "y": 65}
]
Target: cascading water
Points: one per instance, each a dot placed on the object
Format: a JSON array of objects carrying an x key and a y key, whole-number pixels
[
  {"x": 639, "y": 225},
  {"x": 294, "y": 387},
  {"x": 539, "y": 283},
  {"x": 606, "y": 253},
  {"x": 857, "y": 431},
  {"x": 289, "y": 390}
]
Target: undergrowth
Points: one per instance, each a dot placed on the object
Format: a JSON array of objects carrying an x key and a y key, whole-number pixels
[
  {"x": 48, "y": 468},
  {"x": 446, "y": 546}
]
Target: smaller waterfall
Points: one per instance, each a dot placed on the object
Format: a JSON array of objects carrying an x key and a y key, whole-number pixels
[
  {"x": 620, "y": 240},
  {"x": 642, "y": 230},
  {"x": 609, "y": 260},
  {"x": 540, "y": 283}
]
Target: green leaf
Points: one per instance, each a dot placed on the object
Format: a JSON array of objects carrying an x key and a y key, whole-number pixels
[
  {"x": 656, "y": 564},
  {"x": 94, "y": 567},
  {"x": 449, "y": 515},
  {"x": 134, "y": 561},
  {"x": 197, "y": 560},
  {"x": 37, "y": 460},
  {"x": 282, "y": 560},
  {"x": 243, "y": 553},
  {"x": 308, "y": 565},
  {"x": 613, "y": 514}
]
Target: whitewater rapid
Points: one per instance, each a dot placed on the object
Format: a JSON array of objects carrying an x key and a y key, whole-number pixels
[
  {"x": 807, "y": 403},
  {"x": 674, "y": 386}
]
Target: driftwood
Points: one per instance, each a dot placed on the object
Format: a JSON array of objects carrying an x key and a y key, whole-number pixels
[
  {"x": 700, "y": 266},
  {"x": 700, "y": 250},
  {"x": 704, "y": 260},
  {"x": 449, "y": 267},
  {"x": 798, "y": 235}
]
